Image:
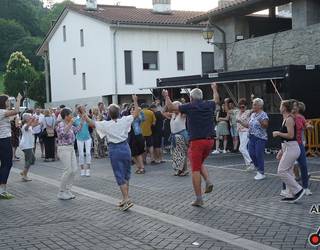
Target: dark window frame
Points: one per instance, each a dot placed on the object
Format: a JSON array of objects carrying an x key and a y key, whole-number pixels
[
  {"x": 81, "y": 38},
  {"x": 146, "y": 65},
  {"x": 64, "y": 33},
  {"x": 128, "y": 67},
  {"x": 74, "y": 66},
  {"x": 205, "y": 69},
  {"x": 84, "y": 81},
  {"x": 180, "y": 66}
]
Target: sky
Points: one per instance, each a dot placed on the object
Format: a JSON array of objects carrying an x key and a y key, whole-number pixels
[{"x": 195, "y": 5}]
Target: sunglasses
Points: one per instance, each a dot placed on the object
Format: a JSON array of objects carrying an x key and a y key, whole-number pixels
[{"x": 242, "y": 107}]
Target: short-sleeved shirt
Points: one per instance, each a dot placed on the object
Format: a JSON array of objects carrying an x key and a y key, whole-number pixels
[
  {"x": 115, "y": 130},
  {"x": 199, "y": 118},
  {"x": 83, "y": 134},
  {"x": 233, "y": 117},
  {"x": 300, "y": 126},
  {"x": 149, "y": 120},
  {"x": 5, "y": 125},
  {"x": 27, "y": 139},
  {"x": 244, "y": 117},
  {"x": 255, "y": 127}
]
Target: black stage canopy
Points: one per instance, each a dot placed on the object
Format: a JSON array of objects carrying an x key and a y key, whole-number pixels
[{"x": 252, "y": 75}]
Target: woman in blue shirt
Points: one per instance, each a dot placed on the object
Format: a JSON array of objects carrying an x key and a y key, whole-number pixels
[
  {"x": 84, "y": 142},
  {"x": 136, "y": 142}
]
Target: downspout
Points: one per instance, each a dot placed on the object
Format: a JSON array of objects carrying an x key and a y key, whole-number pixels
[
  {"x": 115, "y": 96},
  {"x": 47, "y": 74},
  {"x": 223, "y": 45}
]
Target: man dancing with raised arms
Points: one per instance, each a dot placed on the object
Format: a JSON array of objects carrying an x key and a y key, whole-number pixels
[
  {"x": 201, "y": 130},
  {"x": 116, "y": 130}
]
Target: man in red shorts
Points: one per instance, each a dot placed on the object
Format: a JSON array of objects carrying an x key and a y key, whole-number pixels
[{"x": 201, "y": 130}]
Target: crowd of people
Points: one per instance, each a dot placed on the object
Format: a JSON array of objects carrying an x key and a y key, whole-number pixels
[{"x": 138, "y": 135}]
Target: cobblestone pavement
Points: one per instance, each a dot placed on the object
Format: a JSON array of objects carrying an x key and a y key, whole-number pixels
[{"x": 239, "y": 206}]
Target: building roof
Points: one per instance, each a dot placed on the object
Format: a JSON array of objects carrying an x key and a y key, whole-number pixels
[
  {"x": 128, "y": 15},
  {"x": 131, "y": 15},
  {"x": 237, "y": 7}
]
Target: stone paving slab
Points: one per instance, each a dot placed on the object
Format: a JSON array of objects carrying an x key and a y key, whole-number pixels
[
  {"x": 238, "y": 205},
  {"x": 35, "y": 219}
]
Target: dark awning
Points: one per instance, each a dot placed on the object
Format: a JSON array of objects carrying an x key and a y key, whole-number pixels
[{"x": 251, "y": 75}]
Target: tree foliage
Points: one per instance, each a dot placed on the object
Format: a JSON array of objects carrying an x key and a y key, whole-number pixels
[{"x": 19, "y": 70}]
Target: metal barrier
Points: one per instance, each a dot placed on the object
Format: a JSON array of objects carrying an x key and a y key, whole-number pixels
[{"x": 312, "y": 138}]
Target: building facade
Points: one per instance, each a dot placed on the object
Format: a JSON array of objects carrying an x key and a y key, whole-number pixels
[{"x": 108, "y": 53}]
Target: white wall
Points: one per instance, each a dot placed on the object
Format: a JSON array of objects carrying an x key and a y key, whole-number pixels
[
  {"x": 95, "y": 59},
  {"x": 167, "y": 43}
]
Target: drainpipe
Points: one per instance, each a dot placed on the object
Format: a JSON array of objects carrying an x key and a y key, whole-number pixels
[
  {"x": 223, "y": 45},
  {"x": 115, "y": 96},
  {"x": 46, "y": 71}
]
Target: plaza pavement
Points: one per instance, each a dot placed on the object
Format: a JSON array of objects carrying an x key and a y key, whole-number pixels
[{"x": 240, "y": 213}]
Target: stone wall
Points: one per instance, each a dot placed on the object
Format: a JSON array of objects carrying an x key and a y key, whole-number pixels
[{"x": 300, "y": 46}]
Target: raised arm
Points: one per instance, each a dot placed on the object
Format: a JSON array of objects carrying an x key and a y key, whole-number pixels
[
  {"x": 16, "y": 108},
  {"x": 169, "y": 104},
  {"x": 136, "y": 110},
  {"x": 216, "y": 97}
]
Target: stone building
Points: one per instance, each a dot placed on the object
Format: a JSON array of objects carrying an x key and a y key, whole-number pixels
[{"x": 266, "y": 40}]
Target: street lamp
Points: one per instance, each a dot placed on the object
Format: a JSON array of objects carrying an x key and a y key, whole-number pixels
[
  {"x": 208, "y": 35},
  {"x": 26, "y": 92}
]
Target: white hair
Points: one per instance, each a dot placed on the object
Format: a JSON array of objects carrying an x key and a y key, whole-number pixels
[
  {"x": 258, "y": 101},
  {"x": 26, "y": 117},
  {"x": 196, "y": 94}
]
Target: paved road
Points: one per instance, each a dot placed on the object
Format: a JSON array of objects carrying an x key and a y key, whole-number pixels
[{"x": 240, "y": 214}]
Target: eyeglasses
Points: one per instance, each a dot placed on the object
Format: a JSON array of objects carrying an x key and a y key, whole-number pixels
[{"x": 242, "y": 107}]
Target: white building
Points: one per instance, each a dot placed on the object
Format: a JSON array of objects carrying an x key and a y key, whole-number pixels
[{"x": 106, "y": 53}]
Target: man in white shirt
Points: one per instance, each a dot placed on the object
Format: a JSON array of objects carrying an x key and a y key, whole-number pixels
[
  {"x": 38, "y": 131},
  {"x": 116, "y": 130}
]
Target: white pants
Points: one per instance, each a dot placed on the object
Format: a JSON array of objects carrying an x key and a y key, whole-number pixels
[
  {"x": 68, "y": 158},
  {"x": 87, "y": 145},
  {"x": 244, "y": 140}
]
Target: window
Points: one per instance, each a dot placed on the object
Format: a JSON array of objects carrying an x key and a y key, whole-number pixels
[
  {"x": 64, "y": 33},
  {"x": 74, "y": 65},
  {"x": 128, "y": 66},
  {"x": 150, "y": 60},
  {"x": 84, "y": 81},
  {"x": 207, "y": 62},
  {"x": 180, "y": 60},
  {"x": 81, "y": 38}
]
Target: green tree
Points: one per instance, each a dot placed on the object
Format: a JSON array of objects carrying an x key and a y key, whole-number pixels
[
  {"x": 24, "y": 12},
  {"x": 37, "y": 90},
  {"x": 28, "y": 46},
  {"x": 10, "y": 33},
  {"x": 19, "y": 69}
]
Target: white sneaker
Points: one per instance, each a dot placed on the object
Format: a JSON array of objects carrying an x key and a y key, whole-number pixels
[
  {"x": 82, "y": 172},
  {"x": 70, "y": 194},
  {"x": 64, "y": 196},
  {"x": 307, "y": 192},
  {"x": 88, "y": 172},
  {"x": 224, "y": 151},
  {"x": 284, "y": 193},
  {"x": 259, "y": 177},
  {"x": 250, "y": 168},
  {"x": 216, "y": 152}
]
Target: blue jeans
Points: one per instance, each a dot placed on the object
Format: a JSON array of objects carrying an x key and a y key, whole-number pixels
[
  {"x": 6, "y": 159},
  {"x": 120, "y": 157},
  {"x": 302, "y": 160},
  {"x": 256, "y": 148}
]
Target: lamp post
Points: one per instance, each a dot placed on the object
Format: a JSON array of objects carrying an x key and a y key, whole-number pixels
[
  {"x": 208, "y": 35},
  {"x": 26, "y": 92}
]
